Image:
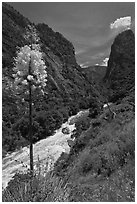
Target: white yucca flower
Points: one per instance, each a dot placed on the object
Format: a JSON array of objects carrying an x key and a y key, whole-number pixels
[
  {"x": 33, "y": 87},
  {"x": 30, "y": 78},
  {"x": 30, "y": 58},
  {"x": 31, "y": 33},
  {"x": 24, "y": 82},
  {"x": 29, "y": 67}
]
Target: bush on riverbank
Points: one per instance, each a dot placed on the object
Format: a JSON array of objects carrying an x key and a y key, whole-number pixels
[{"x": 44, "y": 189}]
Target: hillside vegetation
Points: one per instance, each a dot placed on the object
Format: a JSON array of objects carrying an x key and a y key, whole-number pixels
[{"x": 101, "y": 164}]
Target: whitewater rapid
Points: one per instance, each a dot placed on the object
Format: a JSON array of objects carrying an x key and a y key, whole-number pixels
[{"x": 46, "y": 151}]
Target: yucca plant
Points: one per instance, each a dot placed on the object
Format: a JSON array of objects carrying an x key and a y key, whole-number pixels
[{"x": 30, "y": 75}]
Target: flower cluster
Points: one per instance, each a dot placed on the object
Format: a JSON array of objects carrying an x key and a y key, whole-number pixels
[
  {"x": 7, "y": 83},
  {"x": 30, "y": 67},
  {"x": 31, "y": 34}
]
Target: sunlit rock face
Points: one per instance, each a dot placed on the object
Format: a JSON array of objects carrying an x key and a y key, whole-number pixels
[{"x": 120, "y": 73}]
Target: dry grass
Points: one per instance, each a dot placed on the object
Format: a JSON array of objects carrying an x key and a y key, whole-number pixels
[{"x": 104, "y": 171}]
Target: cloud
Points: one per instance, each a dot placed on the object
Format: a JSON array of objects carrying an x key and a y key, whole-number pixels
[
  {"x": 86, "y": 64},
  {"x": 93, "y": 56},
  {"x": 121, "y": 23},
  {"x": 105, "y": 62},
  {"x": 78, "y": 52}
]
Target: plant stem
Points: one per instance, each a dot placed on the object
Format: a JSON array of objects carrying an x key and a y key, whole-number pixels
[{"x": 30, "y": 125}]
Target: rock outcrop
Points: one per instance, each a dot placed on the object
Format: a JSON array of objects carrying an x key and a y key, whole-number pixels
[{"x": 120, "y": 73}]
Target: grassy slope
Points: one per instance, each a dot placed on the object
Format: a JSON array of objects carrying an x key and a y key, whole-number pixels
[{"x": 101, "y": 164}]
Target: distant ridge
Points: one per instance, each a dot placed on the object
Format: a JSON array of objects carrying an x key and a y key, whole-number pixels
[{"x": 95, "y": 73}]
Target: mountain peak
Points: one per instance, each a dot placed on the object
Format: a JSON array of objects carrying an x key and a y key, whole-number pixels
[{"x": 121, "y": 65}]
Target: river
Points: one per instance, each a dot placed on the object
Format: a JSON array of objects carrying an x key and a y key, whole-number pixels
[{"x": 46, "y": 151}]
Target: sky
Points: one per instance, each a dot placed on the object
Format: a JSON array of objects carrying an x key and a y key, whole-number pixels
[{"x": 90, "y": 26}]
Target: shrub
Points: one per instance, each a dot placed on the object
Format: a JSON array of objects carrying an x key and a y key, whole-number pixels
[
  {"x": 40, "y": 188},
  {"x": 44, "y": 189},
  {"x": 73, "y": 108},
  {"x": 81, "y": 124}
]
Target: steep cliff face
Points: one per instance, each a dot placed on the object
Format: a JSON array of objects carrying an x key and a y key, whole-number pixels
[
  {"x": 57, "y": 43},
  {"x": 120, "y": 73}
]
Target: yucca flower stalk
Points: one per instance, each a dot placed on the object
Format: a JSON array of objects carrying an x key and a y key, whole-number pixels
[{"x": 30, "y": 74}]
